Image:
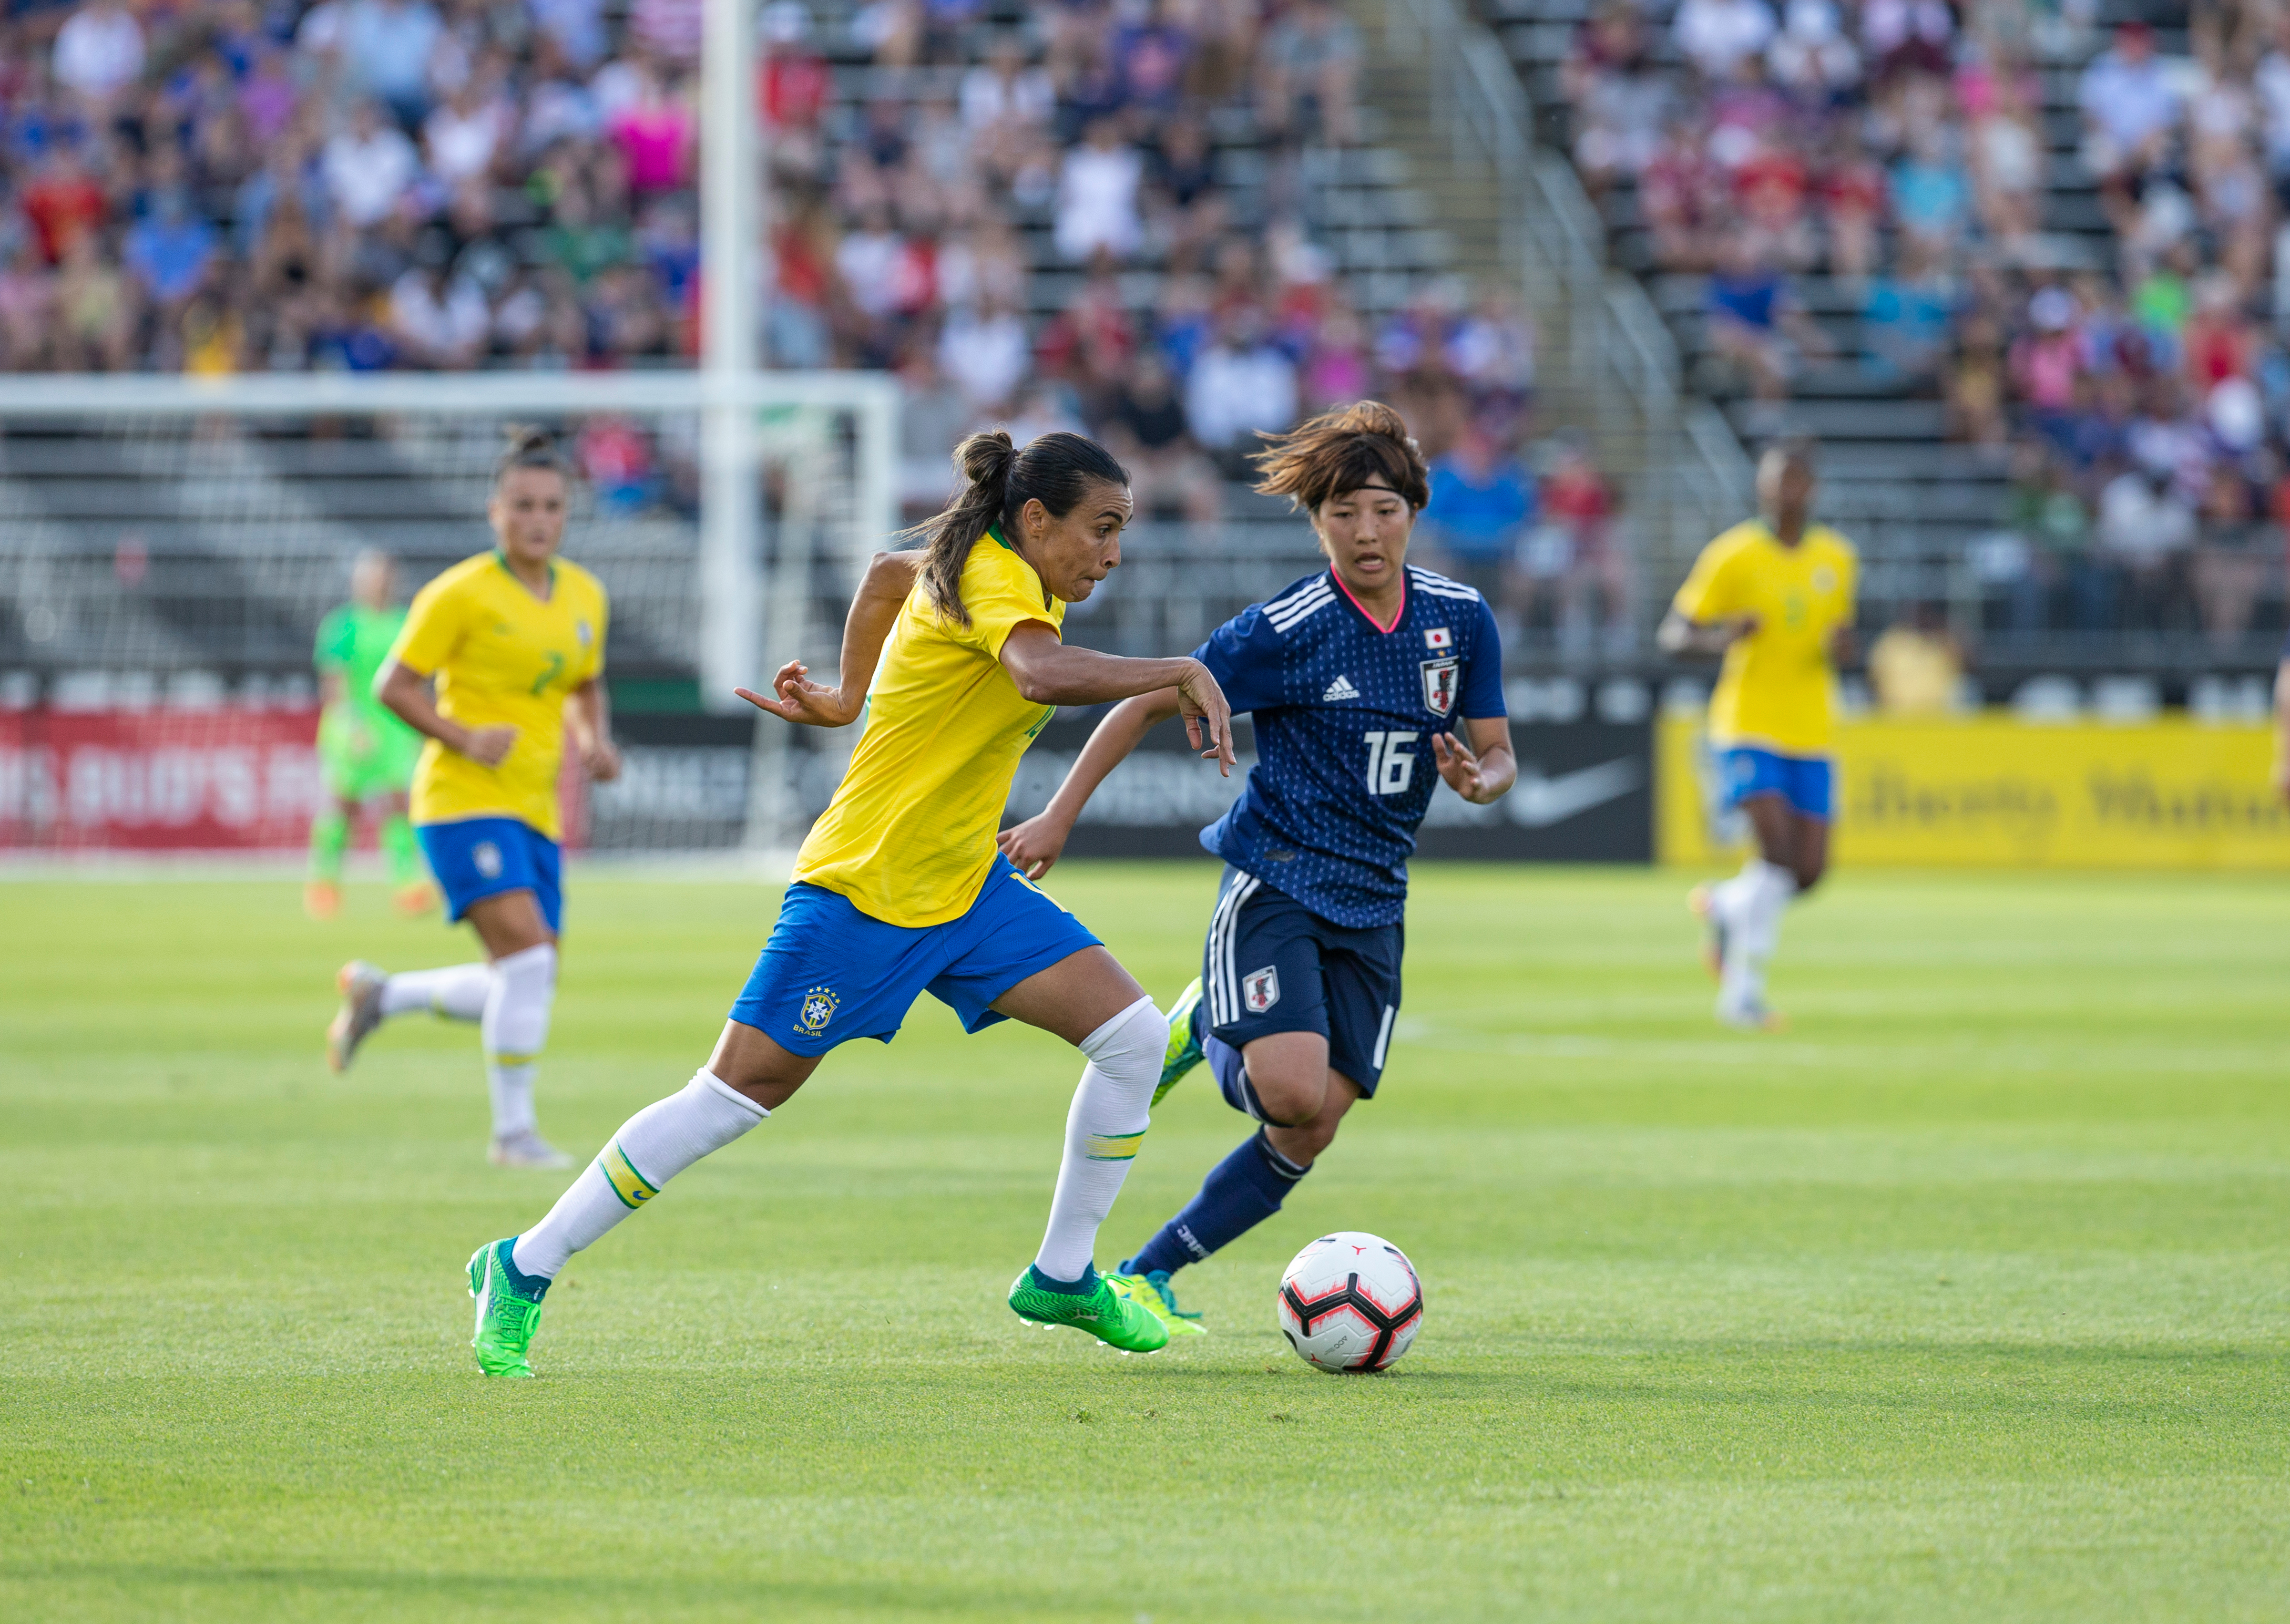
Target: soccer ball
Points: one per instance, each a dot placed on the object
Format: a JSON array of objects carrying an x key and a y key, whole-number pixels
[{"x": 1351, "y": 1302}]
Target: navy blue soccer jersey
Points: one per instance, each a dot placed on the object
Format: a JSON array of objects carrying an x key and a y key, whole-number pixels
[{"x": 1344, "y": 715}]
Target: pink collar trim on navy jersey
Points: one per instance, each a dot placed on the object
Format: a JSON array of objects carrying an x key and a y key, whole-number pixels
[{"x": 1397, "y": 615}]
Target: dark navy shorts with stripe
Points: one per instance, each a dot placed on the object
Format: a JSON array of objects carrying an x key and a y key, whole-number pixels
[{"x": 1273, "y": 965}]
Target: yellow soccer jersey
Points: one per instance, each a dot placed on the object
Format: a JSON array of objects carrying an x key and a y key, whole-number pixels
[
  {"x": 502, "y": 657},
  {"x": 910, "y": 836},
  {"x": 1777, "y": 689}
]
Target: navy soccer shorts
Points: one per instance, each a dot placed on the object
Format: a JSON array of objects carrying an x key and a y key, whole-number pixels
[
  {"x": 830, "y": 973},
  {"x": 476, "y": 858},
  {"x": 1273, "y": 965}
]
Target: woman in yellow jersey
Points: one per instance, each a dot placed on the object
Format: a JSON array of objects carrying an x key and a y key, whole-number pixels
[
  {"x": 514, "y": 641},
  {"x": 1775, "y": 597},
  {"x": 899, "y": 889}
]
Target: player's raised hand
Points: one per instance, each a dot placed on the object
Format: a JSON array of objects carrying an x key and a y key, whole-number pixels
[
  {"x": 795, "y": 698},
  {"x": 1457, "y": 766},
  {"x": 488, "y": 746},
  {"x": 1035, "y": 844},
  {"x": 1208, "y": 717}
]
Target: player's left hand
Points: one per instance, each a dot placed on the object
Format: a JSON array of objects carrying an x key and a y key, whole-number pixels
[
  {"x": 602, "y": 760},
  {"x": 796, "y": 698},
  {"x": 1035, "y": 844},
  {"x": 1459, "y": 767}
]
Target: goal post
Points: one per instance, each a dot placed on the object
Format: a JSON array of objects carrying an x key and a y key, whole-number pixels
[{"x": 171, "y": 542}]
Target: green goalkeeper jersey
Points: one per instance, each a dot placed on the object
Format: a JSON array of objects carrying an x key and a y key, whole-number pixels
[{"x": 362, "y": 746}]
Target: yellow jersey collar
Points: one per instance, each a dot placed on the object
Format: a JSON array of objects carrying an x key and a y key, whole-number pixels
[{"x": 501, "y": 558}]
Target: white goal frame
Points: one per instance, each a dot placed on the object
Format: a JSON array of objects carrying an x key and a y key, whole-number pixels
[{"x": 740, "y": 609}]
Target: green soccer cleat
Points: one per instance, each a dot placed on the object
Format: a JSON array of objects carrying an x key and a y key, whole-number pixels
[
  {"x": 1152, "y": 1292},
  {"x": 506, "y": 1317},
  {"x": 1113, "y": 1319},
  {"x": 1184, "y": 1051}
]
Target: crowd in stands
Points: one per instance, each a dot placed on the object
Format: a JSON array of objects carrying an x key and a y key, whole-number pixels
[
  {"x": 2135, "y": 377},
  {"x": 219, "y": 186}
]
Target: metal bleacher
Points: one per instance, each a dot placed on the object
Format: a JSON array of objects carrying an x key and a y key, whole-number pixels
[{"x": 1910, "y": 496}]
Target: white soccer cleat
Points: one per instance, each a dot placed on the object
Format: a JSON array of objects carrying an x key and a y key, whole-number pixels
[
  {"x": 525, "y": 1150},
  {"x": 360, "y": 984}
]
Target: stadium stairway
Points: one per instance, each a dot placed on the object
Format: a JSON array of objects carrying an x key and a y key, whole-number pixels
[{"x": 1893, "y": 479}]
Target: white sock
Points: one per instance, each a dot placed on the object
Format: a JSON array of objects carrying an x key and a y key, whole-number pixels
[
  {"x": 1771, "y": 888},
  {"x": 515, "y": 1026},
  {"x": 457, "y": 992},
  {"x": 1102, "y": 1131},
  {"x": 652, "y": 1147}
]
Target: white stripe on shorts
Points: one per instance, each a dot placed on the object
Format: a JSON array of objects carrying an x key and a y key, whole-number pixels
[
  {"x": 1224, "y": 1006},
  {"x": 1383, "y": 1034}
]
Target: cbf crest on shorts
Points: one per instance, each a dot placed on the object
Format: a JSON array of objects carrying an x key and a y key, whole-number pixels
[
  {"x": 1439, "y": 679},
  {"x": 817, "y": 1010},
  {"x": 1259, "y": 989}
]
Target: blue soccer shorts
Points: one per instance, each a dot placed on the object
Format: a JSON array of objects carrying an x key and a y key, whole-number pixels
[
  {"x": 1271, "y": 965},
  {"x": 1808, "y": 783},
  {"x": 478, "y": 858},
  {"x": 830, "y": 973}
]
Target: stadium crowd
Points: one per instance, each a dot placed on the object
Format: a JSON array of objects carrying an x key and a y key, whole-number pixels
[
  {"x": 218, "y": 185},
  {"x": 2133, "y": 376}
]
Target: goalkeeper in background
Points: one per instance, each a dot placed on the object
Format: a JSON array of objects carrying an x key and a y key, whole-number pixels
[{"x": 365, "y": 755}]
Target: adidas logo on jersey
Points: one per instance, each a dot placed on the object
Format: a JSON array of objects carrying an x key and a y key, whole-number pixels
[{"x": 1339, "y": 689}]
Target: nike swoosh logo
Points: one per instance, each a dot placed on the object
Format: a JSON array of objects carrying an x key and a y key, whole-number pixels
[{"x": 1537, "y": 802}]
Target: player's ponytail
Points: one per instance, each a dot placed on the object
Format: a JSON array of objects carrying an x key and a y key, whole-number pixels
[
  {"x": 1349, "y": 448},
  {"x": 998, "y": 479}
]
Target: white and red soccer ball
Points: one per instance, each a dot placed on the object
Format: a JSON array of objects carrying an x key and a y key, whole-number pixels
[{"x": 1351, "y": 1302}]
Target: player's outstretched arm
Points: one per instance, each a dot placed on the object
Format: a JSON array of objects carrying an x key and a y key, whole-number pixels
[
  {"x": 1483, "y": 769},
  {"x": 1047, "y": 672},
  {"x": 1676, "y": 634},
  {"x": 1038, "y": 842},
  {"x": 405, "y": 693},
  {"x": 874, "y": 610}
]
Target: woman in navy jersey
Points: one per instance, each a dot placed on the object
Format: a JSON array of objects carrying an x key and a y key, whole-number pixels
[{"x": 1368, "y": 682}]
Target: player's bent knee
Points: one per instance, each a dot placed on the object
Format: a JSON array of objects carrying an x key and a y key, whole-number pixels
[{"x": 1288, "y": 1101}]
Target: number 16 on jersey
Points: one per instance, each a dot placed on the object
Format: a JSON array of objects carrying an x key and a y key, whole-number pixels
[{"x": 1390, "y": 762}]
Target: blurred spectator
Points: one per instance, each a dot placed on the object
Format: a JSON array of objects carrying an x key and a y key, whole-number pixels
[
  {"x": 2130, "y": 110},
  {"x": 1580, "y": 539},
  {"x": 1146, "y": 428},
  {"x": 986, "y": 353},
  {"x": 1483, "y": 503},
  {"x": 99, "y": 50},
  {"x": 1756, "y": 322},
  {"x": 1240, "y": 384},
  {"x": 1308, "y": 65},
  {"x": 168, "y": 250},
  {"x": 387, "y": 45},
  {"x": 1718, "y": 36},
  {"x": 1097, "y": 196},
  {"x": 369, "y": 166},
  {"x": 1915, "y": 665}
]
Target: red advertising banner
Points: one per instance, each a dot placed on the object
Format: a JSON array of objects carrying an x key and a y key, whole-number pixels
[
  {"x": 169, "y": 781},
  {"x": 188, "y": 780}
]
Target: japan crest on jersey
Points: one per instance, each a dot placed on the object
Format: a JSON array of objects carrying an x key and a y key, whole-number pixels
[
  {"x": 1439, "y": 678},
  {"x": 1259, "y": 989}
]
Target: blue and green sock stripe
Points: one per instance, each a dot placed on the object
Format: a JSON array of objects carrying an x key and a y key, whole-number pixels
[
  {"x": 1113, "y": 1147},
  {"x": 631, "y": 1186}
]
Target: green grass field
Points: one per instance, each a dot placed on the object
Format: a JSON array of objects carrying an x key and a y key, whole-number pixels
[{"x": 1967, "y": 1298}]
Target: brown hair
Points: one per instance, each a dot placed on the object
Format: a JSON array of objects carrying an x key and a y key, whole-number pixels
[
  {"x": 1349, "y": 448},
  {"x": 998, "y": 479},
  {"x": 530, "y": 447}
]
